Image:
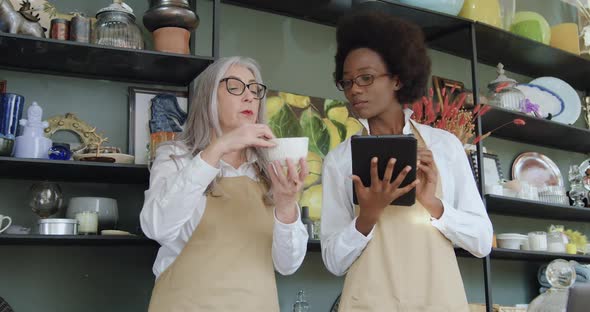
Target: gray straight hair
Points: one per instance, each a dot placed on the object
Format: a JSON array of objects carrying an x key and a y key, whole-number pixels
[{"x": 203, "y": 115}]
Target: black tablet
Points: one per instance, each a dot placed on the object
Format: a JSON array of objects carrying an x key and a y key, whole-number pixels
[{"x": 404, "y": 148}]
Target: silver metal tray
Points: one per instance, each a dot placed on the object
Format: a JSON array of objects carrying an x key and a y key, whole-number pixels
[{"x": 536, "y": 169}]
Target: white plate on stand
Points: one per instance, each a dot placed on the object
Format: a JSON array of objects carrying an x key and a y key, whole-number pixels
[
  {"x": 548, "y": 101},
  {"x": 571, "y": 99}
]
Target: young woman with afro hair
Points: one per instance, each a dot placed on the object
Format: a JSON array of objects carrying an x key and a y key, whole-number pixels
[{"x": 397, "y": 258}]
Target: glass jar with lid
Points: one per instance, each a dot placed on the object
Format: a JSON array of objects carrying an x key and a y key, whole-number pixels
[
  {"x": 503, "y": 92},
  {"x": 115, "y": 26}
]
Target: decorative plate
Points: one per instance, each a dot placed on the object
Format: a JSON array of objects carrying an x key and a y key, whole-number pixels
[
  {"x": 537, "y": 170},
  {"x": 571, "y": 99},
  {"x": 549, "y": 102}
]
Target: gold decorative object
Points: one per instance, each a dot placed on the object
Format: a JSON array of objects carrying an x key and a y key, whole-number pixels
[
  {"x": 586, "y": 103},
  {"x": 72, "y": 123}
]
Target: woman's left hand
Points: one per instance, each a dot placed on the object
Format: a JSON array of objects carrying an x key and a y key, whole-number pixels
[
  {"x": 427, "y": 173},
  {"x": 285, "y": 188}
]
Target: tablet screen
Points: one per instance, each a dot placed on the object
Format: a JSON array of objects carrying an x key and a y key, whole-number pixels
[{"x": 401, "y": 147}]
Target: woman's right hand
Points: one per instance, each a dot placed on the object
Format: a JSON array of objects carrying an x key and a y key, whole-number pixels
[
  {"x": 248, "y": 135},
  {"x": 373, "y": 199}
]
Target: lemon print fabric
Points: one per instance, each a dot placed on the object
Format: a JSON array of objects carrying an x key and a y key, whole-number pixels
[
  {"x": 299, "y": 101},
  {"x": 273, "y": 106},
  {"x": 326, "y": 123},
  {"x": 353, "y": 126},
  {"x": 314, "y": 165},
  {"x": 312, "y": 198}
]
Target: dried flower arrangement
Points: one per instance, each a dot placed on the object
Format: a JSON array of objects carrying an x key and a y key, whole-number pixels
[{"x": 452, "y": 117}]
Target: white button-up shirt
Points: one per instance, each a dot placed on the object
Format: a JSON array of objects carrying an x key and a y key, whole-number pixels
[
  {"x": 175, "y": 203},
  {"x": 464, "y": 221}
]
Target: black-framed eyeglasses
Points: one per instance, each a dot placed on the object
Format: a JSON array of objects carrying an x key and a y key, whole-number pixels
[
  {"x": 360, "y": 80},
  {"x": 237, "y": 87}
]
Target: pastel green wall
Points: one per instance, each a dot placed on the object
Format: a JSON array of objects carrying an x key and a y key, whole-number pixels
[{"x": 295, "y": 56}]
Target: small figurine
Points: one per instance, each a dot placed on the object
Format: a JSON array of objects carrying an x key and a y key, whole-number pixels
[
  {"x": 32, "y": 143},
  {"x": 21, "y": 21}
]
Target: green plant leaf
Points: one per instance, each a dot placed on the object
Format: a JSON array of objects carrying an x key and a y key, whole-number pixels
[
  {"x": 284, "y": 123},
  {"x": 315, "y": 129}
]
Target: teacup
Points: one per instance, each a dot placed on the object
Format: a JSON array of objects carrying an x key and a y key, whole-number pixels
[{"x": 2, "y": 218}]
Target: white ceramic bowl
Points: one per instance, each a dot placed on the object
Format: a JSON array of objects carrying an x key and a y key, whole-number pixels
[
  {"x": 511, "y": 240},
  {"x": 108, "y": 212},
  {"x": 292, "y": 148}
]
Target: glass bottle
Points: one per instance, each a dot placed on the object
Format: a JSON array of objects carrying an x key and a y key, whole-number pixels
[
  {"x": 301, "y": 304},
  {"x": 561, "y": 275},
  {"x": 577, "y": 191}
]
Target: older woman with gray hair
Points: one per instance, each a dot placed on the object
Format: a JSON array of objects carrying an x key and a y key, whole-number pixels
[{"x": 224, "y": 217}]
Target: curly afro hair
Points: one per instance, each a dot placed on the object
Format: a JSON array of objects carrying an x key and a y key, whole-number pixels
[{"x": 400, "y": 44}]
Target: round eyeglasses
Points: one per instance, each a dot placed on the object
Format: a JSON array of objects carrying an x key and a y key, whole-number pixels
[{"x": 237, "y": 87}]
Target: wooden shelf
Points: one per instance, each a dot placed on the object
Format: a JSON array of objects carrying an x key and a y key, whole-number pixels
[
  {"x": 536, "y": 131},
  {"x": 449, "y": 34},
  {"x": 78, "y": 240},
  {"x": 58, "y": 57},
  {"x": 534, "y": 209},
  {"x": 72, "y": 171},
  {"x": 511, "y": 254},
  {"x": 37, "y": 239},
  {"x": 531, "y": 58}
]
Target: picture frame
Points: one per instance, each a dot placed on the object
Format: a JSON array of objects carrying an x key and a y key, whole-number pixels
[
  {"x": 491, "y": 166},
  {"x": 440, "y": 83},
  {"x": 2, "y": 86},
  {"x": 139, "y": 117}
]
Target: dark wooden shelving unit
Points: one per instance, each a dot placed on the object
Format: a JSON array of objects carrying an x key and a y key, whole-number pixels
[
  {"x": 68, "y": 58},
  {"x": 75, "y": 240},
  {"x": 534, "y": 209},
  {"x": 540, "y": 256},
  {"x": 449, "y": 34},
  {"x": 72, "y": 171},
  {"x": 537, "y": 131}
]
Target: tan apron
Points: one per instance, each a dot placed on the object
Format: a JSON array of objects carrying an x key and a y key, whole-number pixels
[
  {"x": 407, "y": 266},
  {"x": 227, "y": 263}
]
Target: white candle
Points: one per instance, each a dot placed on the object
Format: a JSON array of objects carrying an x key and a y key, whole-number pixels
[
  {"x": 87, "y": 222},
  {"x": 538, "y": 241}
]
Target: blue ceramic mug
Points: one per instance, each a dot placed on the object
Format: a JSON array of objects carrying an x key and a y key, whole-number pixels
[{"x": 11, "y": 111}]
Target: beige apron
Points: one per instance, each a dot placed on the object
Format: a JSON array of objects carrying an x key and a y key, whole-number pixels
[
  {"x": 227, "y": 263},
  {"x": 407, "y": 266}
]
